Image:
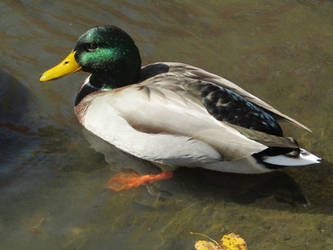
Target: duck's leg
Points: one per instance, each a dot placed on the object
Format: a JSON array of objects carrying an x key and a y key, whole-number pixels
[{"x": 125, "y": 181}]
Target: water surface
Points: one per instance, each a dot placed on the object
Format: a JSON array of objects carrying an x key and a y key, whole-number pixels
[{"x": 52, "y": 172}]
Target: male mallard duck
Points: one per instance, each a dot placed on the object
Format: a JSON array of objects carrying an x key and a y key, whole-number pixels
[{"x": 174, "y": 114}]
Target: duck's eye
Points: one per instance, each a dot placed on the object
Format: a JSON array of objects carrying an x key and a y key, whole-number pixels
[{"x": 92, "y": 47}]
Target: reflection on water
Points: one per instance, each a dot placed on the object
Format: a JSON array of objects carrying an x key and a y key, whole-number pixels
[{"x": 52, "y": 173}]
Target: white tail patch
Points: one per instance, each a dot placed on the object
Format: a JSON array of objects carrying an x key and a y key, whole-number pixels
[{"x": 304, "y": 158}]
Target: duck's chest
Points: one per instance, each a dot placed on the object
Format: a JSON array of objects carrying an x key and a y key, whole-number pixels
[
  {"x": 84, "y": 99},
  {"x": 94, "y": 110}
]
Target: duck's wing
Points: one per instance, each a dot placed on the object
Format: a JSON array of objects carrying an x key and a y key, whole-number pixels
[{"x": 201, "y": 75}]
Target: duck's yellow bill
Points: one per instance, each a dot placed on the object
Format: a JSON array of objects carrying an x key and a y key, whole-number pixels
[{"x": 67, "y": 66}]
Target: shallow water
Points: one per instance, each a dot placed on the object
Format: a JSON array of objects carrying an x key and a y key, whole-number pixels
[{"x": 52, "y": 172}]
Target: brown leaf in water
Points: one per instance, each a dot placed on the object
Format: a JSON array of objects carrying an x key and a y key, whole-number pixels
[
  {"x": 230, "y": 241},
  {"x": 35, "y": 229}
]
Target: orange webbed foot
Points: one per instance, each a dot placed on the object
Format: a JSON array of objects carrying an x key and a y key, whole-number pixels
[{"x": 125, "y": 181}]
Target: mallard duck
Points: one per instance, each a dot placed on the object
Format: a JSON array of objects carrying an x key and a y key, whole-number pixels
[{"x": 174, "y": 114}]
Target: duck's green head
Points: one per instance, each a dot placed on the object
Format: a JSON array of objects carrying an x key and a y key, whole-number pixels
[{"x": 107, "y": 52}]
